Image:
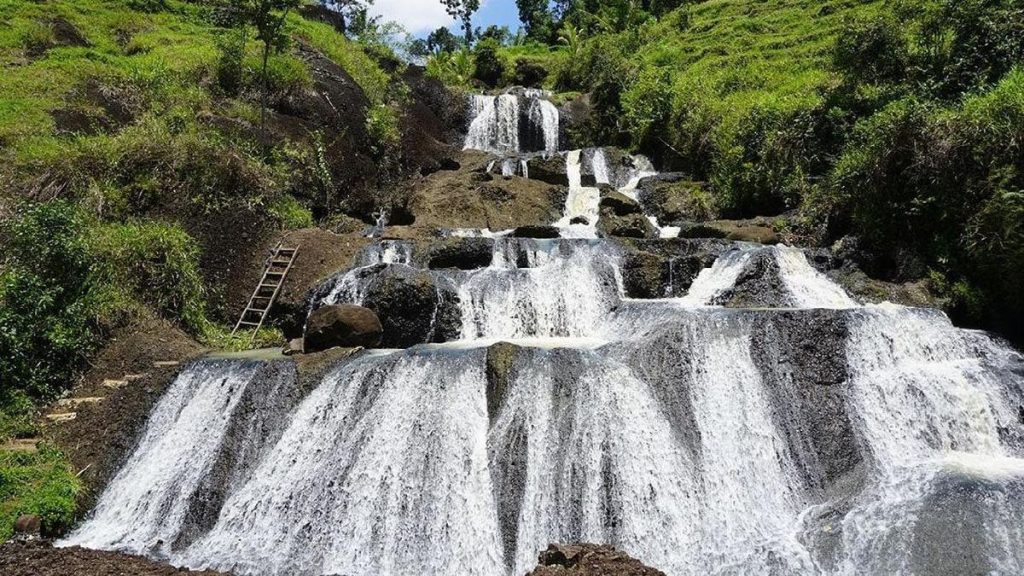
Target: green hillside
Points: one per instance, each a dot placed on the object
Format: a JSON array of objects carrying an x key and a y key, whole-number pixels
[{"x": 889, "y": 130}]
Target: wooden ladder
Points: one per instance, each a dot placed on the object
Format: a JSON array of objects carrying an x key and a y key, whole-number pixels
[{"x": 262, "y": 299}]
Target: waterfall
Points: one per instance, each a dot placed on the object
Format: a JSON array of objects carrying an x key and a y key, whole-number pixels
[
  {"x": 818, "y": 438},
  {"x": 582, "y": 205},
  {"x": 517, "y": 121},
  {"x": 495, "y": 124}
]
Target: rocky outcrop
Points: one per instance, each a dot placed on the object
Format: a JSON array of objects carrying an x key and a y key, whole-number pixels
[
  {"x": 757, "y": 231},
  {"x": 536, "y": 232},
  {"x": 612, "y": 225},
  {"x": 461, "y": 253},
  {"x": 414, "y": 307},
  {"x": 589, "y": 560},
  {"x": 550, "y": 170},
  {"x": 674, "y": 199},
  {"x": 666, "y": 268},
  {"x": 501, "y": 358},
  {"x": 470, "y": 197},
  {"x": 342, "y": 326},
  {"x": 759, "y": 285},
  {"x": 618, "y": 203}
]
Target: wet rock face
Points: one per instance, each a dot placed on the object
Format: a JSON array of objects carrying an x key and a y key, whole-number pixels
[
  {"x": 802, "y": 357},
  {"x": 618, "y": 203},
  {"x": 589, "y": 560},
  {"x": 461, "y": 253},
  {"x": 536, "y": 232},
  {"x": 666, "y": 268},
  {"x": 758, "y": 286},
  {"x": 630, "y": 226},
  {"x": 674, "y": 199},
  {"x": 344, "y": 326},
  {"x": 551, "y": 170},
  {"x": 414, "y": 307}
]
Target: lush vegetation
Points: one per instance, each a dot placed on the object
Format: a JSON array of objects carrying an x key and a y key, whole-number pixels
[
  {"x": 125, "y": 127},
  {"x": 41, "y": 483},
  {"x": 894, "y": 125}
]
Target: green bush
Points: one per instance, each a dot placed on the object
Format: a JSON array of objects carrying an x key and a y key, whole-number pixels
[
  {"x": 41, "y": 483},
  {"x": 50, "y": 301},
  {"x": 489, "y": 66},
  {"x": 155, "y": 263}
]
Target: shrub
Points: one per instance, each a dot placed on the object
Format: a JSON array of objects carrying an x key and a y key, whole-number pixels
[
  {"x": 155, "y": 263},
  {"x": 41, "y": 483},
  {"x": 489, "y": 67},
  {"x": 50, "y": 302}
]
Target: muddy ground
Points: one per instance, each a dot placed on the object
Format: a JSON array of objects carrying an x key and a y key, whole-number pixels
[{"x": 41, "y": 559}]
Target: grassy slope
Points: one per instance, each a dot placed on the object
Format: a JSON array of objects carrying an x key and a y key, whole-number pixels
[
  {"x": 737, "y": 54},
  {"x": 168, "y": 57},
  {"x": 163, "y": 66}
]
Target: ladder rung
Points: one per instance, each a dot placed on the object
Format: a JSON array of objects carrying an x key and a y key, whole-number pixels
[
  {"x": 244, "y": 323},
  {"x": 260, "y": 310},
  {"x": 282, "y": 261},
  {"x": 270, "y": 285}
]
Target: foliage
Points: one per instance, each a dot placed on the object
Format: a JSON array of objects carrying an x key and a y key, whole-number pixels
[
  {"x": 489, "y": 66},
  {"x": 50, "y": 301},
  {"x": 156, "y": 263},
  {"x": 453, "y": 68},
  {"x": 41, "y": 483},
  {"x": 463, "y": 10}
]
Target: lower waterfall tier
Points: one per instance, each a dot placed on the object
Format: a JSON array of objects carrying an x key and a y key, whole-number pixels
[{"x": 698, "y": 440}]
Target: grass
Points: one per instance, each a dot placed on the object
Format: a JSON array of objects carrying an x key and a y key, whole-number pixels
[{"x": 41, "y": 483}]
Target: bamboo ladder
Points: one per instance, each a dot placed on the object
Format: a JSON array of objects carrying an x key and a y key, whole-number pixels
[{"x": 262, "y": 299}]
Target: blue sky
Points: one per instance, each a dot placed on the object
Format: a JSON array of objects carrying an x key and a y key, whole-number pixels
[{"x": 420, "y": 17}]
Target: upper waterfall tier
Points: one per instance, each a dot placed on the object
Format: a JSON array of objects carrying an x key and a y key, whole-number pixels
[
  {"x": 520, "y": 120},
  {"x": 571, "y": 288}
]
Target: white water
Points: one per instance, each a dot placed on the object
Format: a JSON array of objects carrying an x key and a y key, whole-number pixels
[
  {"x": 495, "y": 124},
  {"x": 582, "y": 201},
  {"x": 809, "y": 288},
  {"x": 650, "y": 426}
]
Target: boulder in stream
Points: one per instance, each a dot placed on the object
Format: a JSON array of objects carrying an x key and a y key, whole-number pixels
[
  {"x": 589, "y": 560},
  {"x": 344, "y": 326}
]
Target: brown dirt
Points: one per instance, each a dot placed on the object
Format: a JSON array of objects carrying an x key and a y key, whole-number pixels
[
  {"x": 102, "y": 434},
  {"x": 589, "y": 560},
  {"x": 41, "y": 559},
  {"x": 471, "y": 198}
]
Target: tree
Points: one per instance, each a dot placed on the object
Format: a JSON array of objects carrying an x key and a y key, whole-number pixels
[
  {"x": 500, "y": 34},
  {"x": 442, "y": 41},
  {"x": 268, "y": 18},
  {"x": 463, "y": 10},
  {"x": 536, "y": 17}
]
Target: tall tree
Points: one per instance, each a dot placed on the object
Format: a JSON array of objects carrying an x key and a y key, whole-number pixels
[
  {"x": 268, "y": 18},
  {"x": 536, "y": 17},
  {"x": 442, "y": 40},
  {"x": 463, "y": 10}
]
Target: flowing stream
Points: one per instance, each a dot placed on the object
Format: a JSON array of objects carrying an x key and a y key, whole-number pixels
[{"x": 819, "y": 438}]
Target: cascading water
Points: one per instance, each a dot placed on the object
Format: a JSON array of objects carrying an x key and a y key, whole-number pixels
[
  {"x": 519, "y": 121},
  {"x": 824, "y": 438}
]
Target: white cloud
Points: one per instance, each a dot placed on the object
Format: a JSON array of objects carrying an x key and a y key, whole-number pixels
[{"x": 415, "y": 16}]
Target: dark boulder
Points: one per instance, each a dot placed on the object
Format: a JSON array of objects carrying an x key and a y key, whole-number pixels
[
  {"x": 618, "y": 203},
  {"x": 675, "y": 200},
  {"x": 501, "y": 358},
  {"x": 414, "y": 307},
  {"x": 550, "y": 170},
  {"x": 759, "y": 285},
  {"x": 536, "y": 232},
  {"x": 342, "y": 325},
  {"x": 629, "y": 226},
  {"x": 589, "y": 560},
  {"x": 461, "y": 253},
  {"x": 644, "y": 275}
]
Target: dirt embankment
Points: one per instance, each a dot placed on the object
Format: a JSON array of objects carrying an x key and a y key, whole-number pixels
[
  {"x": 112, "y": 402},
  {"x": 41, "y": 559}
]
